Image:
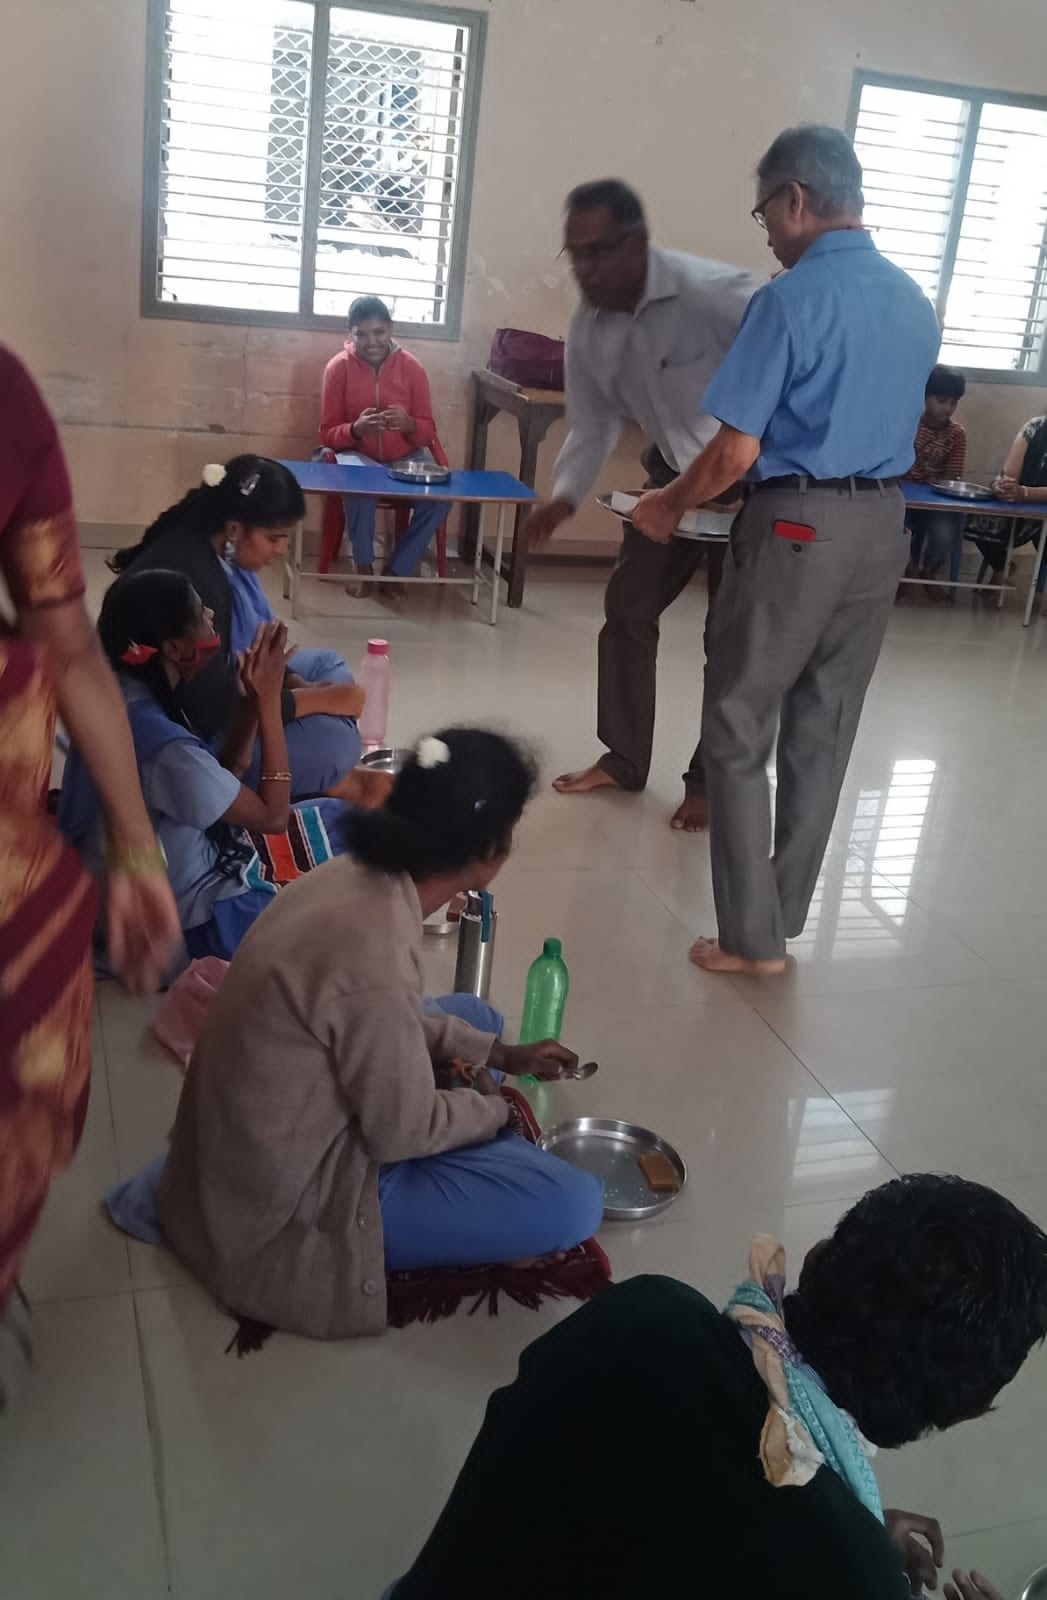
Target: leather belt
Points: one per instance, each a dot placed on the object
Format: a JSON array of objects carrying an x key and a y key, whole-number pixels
[{"x": 799, "y": 480}]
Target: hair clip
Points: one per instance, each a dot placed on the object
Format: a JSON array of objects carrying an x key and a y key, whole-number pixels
[
  {"x": 250, "y": 483},
  {"x": 213, "y": 474},
  {"x": 136, "y": 655}
]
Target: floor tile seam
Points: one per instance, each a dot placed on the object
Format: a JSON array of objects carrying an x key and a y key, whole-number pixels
[
  {"x": 41, "y": 1300},
  {"x": 827, "y": 1091},
  {"x": 156, "y": 1450}
]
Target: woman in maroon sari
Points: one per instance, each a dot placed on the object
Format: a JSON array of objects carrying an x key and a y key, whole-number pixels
[{"x": 50, "y": 659}]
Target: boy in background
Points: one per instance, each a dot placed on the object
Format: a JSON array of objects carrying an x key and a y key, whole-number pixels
[{"x": 941, "y": 452}]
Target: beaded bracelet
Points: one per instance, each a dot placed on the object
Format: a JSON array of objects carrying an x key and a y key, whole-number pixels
[{"x": 275, "y": 777}]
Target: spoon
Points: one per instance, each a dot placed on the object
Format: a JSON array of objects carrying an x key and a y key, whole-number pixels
[{"x": 584, "y": 1069}]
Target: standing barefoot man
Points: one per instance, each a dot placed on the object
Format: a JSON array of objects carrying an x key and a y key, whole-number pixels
[
  {"x": 819, "y": 398},
  {"x": 649, "y": 335}
]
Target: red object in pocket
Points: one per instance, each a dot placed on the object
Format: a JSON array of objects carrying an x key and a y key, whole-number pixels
[{"x": 797, "y": 532}]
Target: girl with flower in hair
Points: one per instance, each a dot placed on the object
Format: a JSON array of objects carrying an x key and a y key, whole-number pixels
[
  {"x": 159, "y": 637},
  {"x": 221, "y": 535}
]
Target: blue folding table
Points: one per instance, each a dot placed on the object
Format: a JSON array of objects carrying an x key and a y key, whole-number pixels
[
  {"x": 496, "y": 492},
  {"x": 924, "y": 497}
]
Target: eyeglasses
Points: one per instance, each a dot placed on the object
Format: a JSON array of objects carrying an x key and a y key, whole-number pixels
[
  {"x": 582, "y": 255},
  {"x": 759, "y": 211}
]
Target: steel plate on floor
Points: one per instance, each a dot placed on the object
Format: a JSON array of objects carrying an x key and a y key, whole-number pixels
[
  {"x": 384, "y": 760},
  {"x": 611, "y": 1150}
]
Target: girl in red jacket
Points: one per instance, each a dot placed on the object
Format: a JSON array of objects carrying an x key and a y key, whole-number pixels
[{"x": 376, "y": 404}]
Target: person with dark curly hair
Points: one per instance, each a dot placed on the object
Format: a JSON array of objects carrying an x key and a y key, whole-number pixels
[{"x": 707, "y": 1453}]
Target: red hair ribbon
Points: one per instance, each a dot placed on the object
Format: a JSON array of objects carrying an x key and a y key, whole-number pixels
[{"x": 136, "y": 655}]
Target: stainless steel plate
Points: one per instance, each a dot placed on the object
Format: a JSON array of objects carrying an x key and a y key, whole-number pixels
[
  {"x": 610, "y": 1149},
  {"x": 385, "y": 760},
  {"x": 1036, "y": 1588},
  {"x": 420, "y": 472},
  {"x": 960, "y": 489}
]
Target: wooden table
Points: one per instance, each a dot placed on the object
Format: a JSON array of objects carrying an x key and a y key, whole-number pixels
[
  {"x": 535, "y": 411},
  {"x": 496, "y": 492}
]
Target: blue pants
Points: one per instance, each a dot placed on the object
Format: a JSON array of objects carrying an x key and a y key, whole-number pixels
[
  {"x": 494, "y": 1202},
  {"x": 935, "y": 535},
  {"x": 502, "y": 1201},
  {"x": 322, "y": 749},
  {"x": 426, "y": 517}
]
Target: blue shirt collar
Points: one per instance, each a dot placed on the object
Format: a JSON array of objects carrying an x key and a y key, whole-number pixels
[{"x": 839, "y": 239}]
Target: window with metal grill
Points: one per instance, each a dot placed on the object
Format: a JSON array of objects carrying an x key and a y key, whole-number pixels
[
  {"x": 302, "y": 152},
  {"x": 956, "y": 193}
]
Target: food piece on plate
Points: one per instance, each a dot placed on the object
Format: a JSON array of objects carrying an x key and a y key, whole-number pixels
[{"x": 659, "y": 1172}]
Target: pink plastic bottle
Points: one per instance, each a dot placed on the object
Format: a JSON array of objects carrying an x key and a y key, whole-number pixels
[{"x": 375, "y": 677}]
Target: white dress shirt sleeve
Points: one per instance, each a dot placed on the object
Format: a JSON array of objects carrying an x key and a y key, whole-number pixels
[{"x": 594, "y": 428}]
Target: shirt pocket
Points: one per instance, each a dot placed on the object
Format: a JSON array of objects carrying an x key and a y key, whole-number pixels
[{"x": 683, "y": 381}]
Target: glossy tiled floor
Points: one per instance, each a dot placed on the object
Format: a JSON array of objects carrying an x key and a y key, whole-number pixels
[{"x": 910, "y": 1034}]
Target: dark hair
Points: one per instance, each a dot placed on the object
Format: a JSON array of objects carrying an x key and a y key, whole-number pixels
[
  {"x": 822, "y": 161},
  {"x": 368, "y": 308},
  {"x": 922, "y": 1306},
  {"x": 947, "y": 383},
  {"x": 441, "y": 817},
  {"x": 623, "y": 203},
  {"x": 152, "y": 608},
  {"x": 256, "y": 491},
  {"x": 148, "y": 608}
]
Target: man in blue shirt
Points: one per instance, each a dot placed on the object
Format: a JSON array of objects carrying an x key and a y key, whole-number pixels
[{"x": 818, "y": 401}]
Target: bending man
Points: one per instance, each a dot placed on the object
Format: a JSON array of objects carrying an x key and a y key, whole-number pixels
[{"x": 650, "y": 333}]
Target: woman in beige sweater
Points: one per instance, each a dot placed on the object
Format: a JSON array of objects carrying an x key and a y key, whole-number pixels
[{"x": 318, "y": 1143}]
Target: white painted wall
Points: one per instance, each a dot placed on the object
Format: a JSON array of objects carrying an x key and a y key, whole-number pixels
[{"x": 677, "y": 96}]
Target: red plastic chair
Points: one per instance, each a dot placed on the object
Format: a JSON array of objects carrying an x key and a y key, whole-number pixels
[{"x": 332, "y": 528}]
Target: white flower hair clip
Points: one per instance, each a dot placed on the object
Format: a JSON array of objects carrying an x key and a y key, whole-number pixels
[
  {"x": 214, "y": 474},
  {"x": 431, "y": 753}
]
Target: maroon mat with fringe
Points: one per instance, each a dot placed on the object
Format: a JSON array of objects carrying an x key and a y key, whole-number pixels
[{"x": 438, "y": 1292}]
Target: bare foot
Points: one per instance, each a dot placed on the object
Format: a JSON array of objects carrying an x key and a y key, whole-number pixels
[
  {"x": 706, "y": 953},
  {"x": 360, "y": 591},
  {"x": 584, "y": 782},
  {"x": 692, "y": 814},
  {"x": 393, "y": 591}
]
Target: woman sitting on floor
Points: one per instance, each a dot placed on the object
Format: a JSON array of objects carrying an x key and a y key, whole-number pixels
[
  {"x": 376, "y": 404},
  {"x": 158, "y": 635},
  {"x": 319, "y": 1141},
  {"x": 221, "y": 535}
]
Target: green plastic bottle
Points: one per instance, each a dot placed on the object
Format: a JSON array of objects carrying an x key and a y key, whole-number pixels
[{"x": 546, "y": 996}]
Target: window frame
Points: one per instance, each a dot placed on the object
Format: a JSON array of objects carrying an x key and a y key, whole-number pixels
[
  {"x": 450, "y": 330},
  {"x": 1034, "y": 377}
]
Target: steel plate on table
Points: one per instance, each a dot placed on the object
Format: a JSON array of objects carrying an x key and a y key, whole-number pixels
[
  {"x": 960, "y": 489},
  {"x": 420, "y": 472},
  {"x": 384, "y": 760},
  {"x": 611, "y": 1149}
]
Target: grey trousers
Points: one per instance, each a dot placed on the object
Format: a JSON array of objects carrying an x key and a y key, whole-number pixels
[{"x": 794, "y": 639}]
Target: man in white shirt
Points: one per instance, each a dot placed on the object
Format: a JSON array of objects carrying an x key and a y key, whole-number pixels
[{"x": 648, "y": 337}]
